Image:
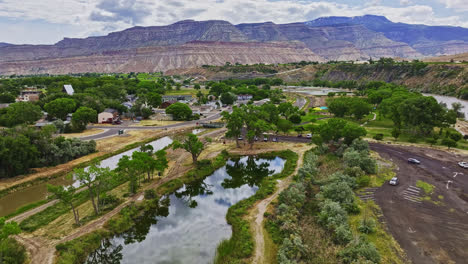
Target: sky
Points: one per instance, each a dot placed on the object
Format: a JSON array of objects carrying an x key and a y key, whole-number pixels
[{"x": 49, "y": 21}]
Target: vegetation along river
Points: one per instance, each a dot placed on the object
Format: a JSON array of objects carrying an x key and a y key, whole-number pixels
[
  {"x": 37, "y": 192},
  {"x": 194, "y": 223}
]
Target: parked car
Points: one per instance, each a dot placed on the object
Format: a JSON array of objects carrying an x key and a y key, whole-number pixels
[
  {"x": 309, "y": 136},
  {"x": 413, "y": 161},
  {"x": 463, "y": 164},
  {"x": 265, "y": 138},
  {"x": 256, "y": 138},
  {"x": 275, "y": 139},
  {"x": 300, "y": 135},
  {"x": 394, "y": 181},
  {"x": 240, "y": 138}
]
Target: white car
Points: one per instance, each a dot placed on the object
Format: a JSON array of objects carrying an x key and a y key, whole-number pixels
[
  {"x": 394, "y": 181},
  {"x": 309, "y": 136},
  {"x": 463, "y": 164}
]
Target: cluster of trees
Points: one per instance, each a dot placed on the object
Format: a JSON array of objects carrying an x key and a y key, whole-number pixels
[
  {"x": 24, "y": 148},
  {"x": 228, "y": 90},
  {"x": 10, "y": 250},
  {"x": 337, "y": 129},
  {"x": 259, "y": 119},
  {"x": 181, "y": 111},
  {"x": 335, "y": 202},
  {"x": 244, "y": 68},
  {"x": 349, "y": 106}
]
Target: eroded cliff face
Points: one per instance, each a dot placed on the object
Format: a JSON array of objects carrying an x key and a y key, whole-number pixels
[{"x": 153, "y": 59}]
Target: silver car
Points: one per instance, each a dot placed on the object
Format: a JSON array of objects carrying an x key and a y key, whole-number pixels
[
  {"x": 394, "y": 181},
  {"x": 463, "y": 164}
]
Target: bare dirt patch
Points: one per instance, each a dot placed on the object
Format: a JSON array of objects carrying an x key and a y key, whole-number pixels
[{"x": 430, "y": 227}]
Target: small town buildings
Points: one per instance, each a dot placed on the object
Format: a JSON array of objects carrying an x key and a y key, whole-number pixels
[
  {"x": 68, "y": 89},
  {"x": 244, "y": 97},
  {"x": 29, "y": 94},
  {"x": 166, "y": 104},
  {"x": 177, "y": 98},
  {"x": 108, "y": 116}
]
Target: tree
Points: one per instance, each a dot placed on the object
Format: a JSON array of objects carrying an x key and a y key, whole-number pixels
[
  {"x": 360, "y": 108},
  {"x": 66, "y": 196},
  {"x": 154, "y": 99},
  {"x": 255, "y": 128},
  {"x": 234, "y": 123},
  {"x": 396, "y": 133},
  {"x": 97, "y": 180},
  {"x": 227, "y": 98},
  {"x": 19, "y": 113},
  {"x": 332, "y": 130},
  {"x": 192, "y": 145},
  {"x": 6, "y": 98},
  {"x": 352, "y": 131},
  {"x": 10, "y": 250},
  {"x": 457, "y": 107},
  {"x": 339, "y": 106},
  {"x": 295, "y": 119},
  {"x": 60, "y": 107},
  {"x": 179, "y": 111},
  {"x": 17, "y": 155},
  {"x": 82, "y": 117},
  {"x": 284, "y": 125},
  {"x": 130, "y": 171},
  {"x": 197, "y": 86}
]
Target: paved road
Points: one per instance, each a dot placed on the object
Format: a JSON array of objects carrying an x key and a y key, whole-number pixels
[{"x": 431, "y": 228}]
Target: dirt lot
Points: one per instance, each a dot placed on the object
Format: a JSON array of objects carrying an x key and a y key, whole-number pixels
[{"x": 430, "y": 227}]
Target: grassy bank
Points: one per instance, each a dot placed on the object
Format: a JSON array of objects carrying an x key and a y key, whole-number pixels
[{"x": 240, "y": 246}]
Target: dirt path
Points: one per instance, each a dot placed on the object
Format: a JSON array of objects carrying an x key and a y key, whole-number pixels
[{"x": 257, "y": 214}]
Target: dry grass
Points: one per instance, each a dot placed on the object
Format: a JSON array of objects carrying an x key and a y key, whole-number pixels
[
  {"x": 115, "y": 143},
  {"x": 87, "y": 132}
]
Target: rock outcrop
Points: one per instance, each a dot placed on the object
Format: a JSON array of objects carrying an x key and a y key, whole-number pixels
[{"x": 154, "y": 59}]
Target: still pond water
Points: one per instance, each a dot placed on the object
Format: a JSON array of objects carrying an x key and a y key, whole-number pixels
[{"x": 194, "y": 223}]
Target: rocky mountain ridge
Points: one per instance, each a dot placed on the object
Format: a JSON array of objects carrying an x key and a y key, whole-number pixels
[{"x": 334, "y": 38}]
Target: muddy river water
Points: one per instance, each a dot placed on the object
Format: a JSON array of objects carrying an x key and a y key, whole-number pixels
[
  {"x": 190, "y": 228},
  {"x": 37, "y": 192}
]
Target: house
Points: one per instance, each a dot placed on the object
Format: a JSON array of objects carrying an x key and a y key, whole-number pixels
[
  {"x": 108, "y": 116},
  {"x": 67, "y": 88},
  {"x": 166, "y": 104},
  {"x": 177, "y": 98},
  {"x": 244, "y": 97},
  {"x": 29, "y": 94},
  {"x": 127, "y": 104}
]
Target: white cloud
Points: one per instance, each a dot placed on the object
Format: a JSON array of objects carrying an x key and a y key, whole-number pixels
[
  {"x": 91, "y": 17},
  {"x": 405, "y": 2},
  {"x": 458, "y": 5}
]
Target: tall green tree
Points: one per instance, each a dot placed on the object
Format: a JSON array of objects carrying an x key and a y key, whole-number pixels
[
  {"x": 192, "y": 145},
  {"x": 131, "y": 171},
  {"x": 98, "y": 180},
  {"x": 234, "y": 123},
  {"x": 284, "y": 125},
  {"x": 66, "y": 196},
  {"x": 179, "y": 111},
  {"x": 82, "y": 117},
  {"x": 60, "y": 107},
  {"x": 20, "y": 113}
]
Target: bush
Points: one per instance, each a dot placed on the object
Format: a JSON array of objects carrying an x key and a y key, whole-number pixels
[
  {"x": 363, "y": 181},
  {"x": 367, "y": 226},
  {"x": 203, "y": 163},
  {"x": 150, "y": 194},
  {"x": 360, "y": 249},
  {"x": 77, "y": 250},
  {"x": 354, "y": 172},
  {"x": 12, "y": 252},
  {"x": 343, "y": 234},
  {"x": 378, "y": 136},
  {"x": 332, "y": 215}
]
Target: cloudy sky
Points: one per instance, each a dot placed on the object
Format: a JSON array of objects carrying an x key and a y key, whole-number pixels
[{"x": 48, "y": 21}]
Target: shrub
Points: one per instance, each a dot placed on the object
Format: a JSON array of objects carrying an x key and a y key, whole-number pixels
[
  {"x": 378, "y": 136},
  {"x": 12, "y": 252},
  {"x": 367, "y": 226},
  {"x": 150, "y": 194},
  {"x": 354, "y": 172},
  {"x": 332, "y": 214},
  {"x": 340, "y": 177},
  {"x": 360, "y": 249},
  {"x": 343, "y": 234},
  {"x": 363, "y": 181}
]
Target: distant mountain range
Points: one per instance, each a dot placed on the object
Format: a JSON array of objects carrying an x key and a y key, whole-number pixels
[{"x": 191, "y": 43}]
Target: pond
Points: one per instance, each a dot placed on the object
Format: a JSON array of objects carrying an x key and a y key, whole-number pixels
[
  {"x": 194, "y": 223},
  {"x": 9, "y": 203}
]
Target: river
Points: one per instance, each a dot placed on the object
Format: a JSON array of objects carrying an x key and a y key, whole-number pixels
[
  {"x": 194, "y": 223},
  {"x": 449, "y": 100},
  {"x": 9, "y": 203}
]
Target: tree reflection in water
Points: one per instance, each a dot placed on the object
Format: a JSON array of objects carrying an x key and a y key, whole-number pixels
[
  {"x": 106, "y": 254},
  {"x": 248, "y": 172},
  {"x": 193, "y": 189}
]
